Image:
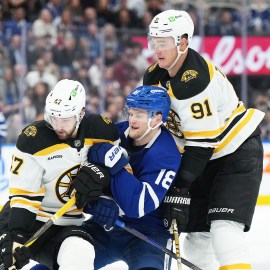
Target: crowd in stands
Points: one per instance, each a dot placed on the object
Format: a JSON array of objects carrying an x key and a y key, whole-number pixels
[{"x": 43, "y": 41}]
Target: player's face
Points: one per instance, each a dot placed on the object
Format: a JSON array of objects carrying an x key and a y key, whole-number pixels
[
  {"x": 63, "y": 127},
  {"x": 165, "y": 50},
  {"x": 138, "y": 122}
]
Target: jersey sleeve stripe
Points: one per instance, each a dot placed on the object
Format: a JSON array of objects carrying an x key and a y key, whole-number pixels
[
  {"x": 211, "y": 69},
  {"x": 24, "y": 203},
  {"x": 16, "y": 191},
  {"x": 236, "y": 130},
  {"x": 51, "y": 149},
  {"x": 217, "y": 132},
  {"x": 93, "y": 141}
]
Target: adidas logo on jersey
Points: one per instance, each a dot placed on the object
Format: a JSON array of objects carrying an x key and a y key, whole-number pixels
[{"x": 54, "y": 157}]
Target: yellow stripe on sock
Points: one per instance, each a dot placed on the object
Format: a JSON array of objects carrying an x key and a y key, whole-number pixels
[{"x": 239, "y": 266}]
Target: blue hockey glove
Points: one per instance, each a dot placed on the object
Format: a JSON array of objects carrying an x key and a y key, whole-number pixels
[
  {"x": 112, "y": 156},
  {"x": 105, "y": 212}
]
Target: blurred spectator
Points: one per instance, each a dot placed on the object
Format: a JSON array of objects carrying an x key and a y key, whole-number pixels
[
  {"x": 83, "y": 78},
  {"x": 36, "y": 50},
  {"x": 95, "y": 73},
  {"x": 229, "y": 25},
  {"x": 43, "y": 26},
  {"x": 66, "y": 72},
  {"x": 259, "y": 18},
  {"x": 93, "y": 104},
  {"x": 34, "y": 102},
  {"x": 4, "y": 61},
  {"x": 110, "y": 37},
  {"x": 124, "y": 71},
  {"x": 55, "y": 8},
  {"x": 66, "y": 55},
  {"x": 3, "y": 129},
  {"x": 145, "y": 22},
  {"x": 16, "y": 24},
  {"x": 15, "y": 125},
  {"x": 9, "y": 94},
  {"x": 94, "y": 41},
  {"x": 16, "y": 55},
  {"x": 104, "y": 14},
  {"x": 74, "y": 6},
  {"x": 154, "y": 6},
  {"x": 90, "y": 15},
  {"x": 51, "y": 67},
  {"x": 137, "y": 59},
  {"x": 40, "y": 75},
  {"x": 125, "y": 19},
  {"x": 65, "y": 23}
]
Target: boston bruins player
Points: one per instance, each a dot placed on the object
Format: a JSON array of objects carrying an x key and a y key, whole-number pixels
[
  {"x": 47, "y": 158},
  {"x": 221, "y": 166}
]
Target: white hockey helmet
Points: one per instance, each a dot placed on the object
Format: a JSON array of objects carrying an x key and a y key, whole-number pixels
[
  {"x": 67, "y": 99},
  {"x": 172, "y": 23}
]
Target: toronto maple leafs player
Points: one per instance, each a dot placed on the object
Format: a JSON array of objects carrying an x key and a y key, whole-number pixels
[{"x": 138, "y": 184}]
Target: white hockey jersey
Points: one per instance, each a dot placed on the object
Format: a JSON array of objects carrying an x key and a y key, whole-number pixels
[
  {"x": 205, "y": 110},
  {"x": 43, "y": 167}
]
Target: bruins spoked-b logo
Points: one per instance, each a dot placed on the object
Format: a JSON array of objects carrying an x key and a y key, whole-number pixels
[
  {"x": 189, "y": 75},
  {"x": 173, "y": 124},
  {"x": 62, "y": 187}
]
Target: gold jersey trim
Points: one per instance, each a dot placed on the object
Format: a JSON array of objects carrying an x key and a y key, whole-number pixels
[
  {"x": 235, "y": 130},
  {"x": 217, "y": 132}
]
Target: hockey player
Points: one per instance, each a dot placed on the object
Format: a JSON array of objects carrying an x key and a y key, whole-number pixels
[
  {"x": 221, "y": 167},
  {"x": 46, "y": 160},
  {"x": 139, "y": 190}
]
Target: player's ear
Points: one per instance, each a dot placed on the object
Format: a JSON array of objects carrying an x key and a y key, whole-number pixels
[
  {"x": 157, "y": 119},
  {"x": 82, "y": 113}
]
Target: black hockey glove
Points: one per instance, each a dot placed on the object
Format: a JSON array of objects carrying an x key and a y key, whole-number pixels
[
  {"x": 12, "y": 251},
  {"x": 89, "y": 183},
  {"x": 176, "y": 206}
]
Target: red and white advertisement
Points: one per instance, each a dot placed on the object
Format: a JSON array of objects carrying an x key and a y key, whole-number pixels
[{"x": 234, "y": 55}]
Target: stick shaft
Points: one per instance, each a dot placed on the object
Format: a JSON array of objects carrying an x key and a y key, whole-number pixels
[
  {"x": 51, "y": 221},
  {"x": 155, "y": 244},
  {"x": 177, "y": 247}
]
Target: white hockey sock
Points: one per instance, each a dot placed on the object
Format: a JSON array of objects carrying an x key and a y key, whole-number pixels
[
  {"x": 229, "y": 244},
  {"x": 76, "y": 253},
  {"x": 198, "y": 249}
]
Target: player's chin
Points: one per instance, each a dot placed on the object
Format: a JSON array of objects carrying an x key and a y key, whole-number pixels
[{"x": 162, "y": 63}]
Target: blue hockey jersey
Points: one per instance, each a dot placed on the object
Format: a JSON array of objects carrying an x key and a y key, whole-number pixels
[{"x": 154, "y": 166}]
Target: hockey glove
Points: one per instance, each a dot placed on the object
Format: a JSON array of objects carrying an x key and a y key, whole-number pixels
[
  {"x": 112, "y": 156},
  {"x": 105, "y": 212},
  {"x": 13, "y": 252},
  {"x": 89, "y": 183},
  {"x": 176, "y": 206}
]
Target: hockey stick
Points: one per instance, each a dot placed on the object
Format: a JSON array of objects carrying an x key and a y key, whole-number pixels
[
  {"x": 48, "y": 224},
  {"x": 176, "y": 241},
  {"x": 155, "y": 244}
]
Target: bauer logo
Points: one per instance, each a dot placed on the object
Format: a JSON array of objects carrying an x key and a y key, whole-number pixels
[
  {"x": 115, "y": 151},
  {"x": 221, "y": 210}
]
